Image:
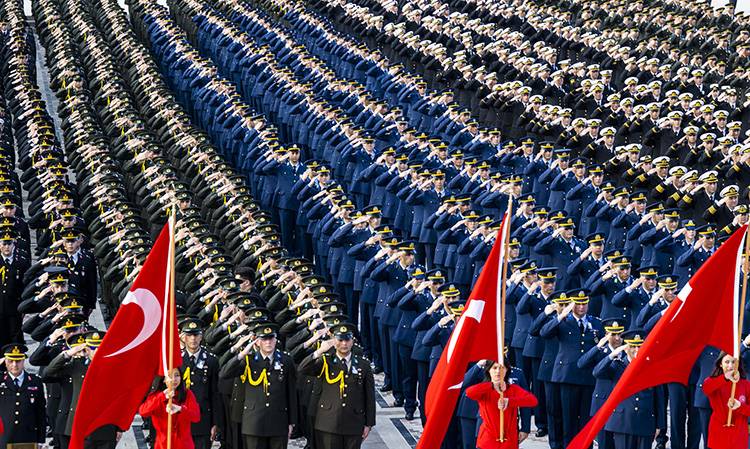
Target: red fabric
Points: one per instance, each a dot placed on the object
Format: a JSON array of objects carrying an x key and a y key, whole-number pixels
[
  {"x": 702, "y": 315},
  {"x": 155, "y": 407},
  {"x": 487, "y": 397},
  {"x": 474, "y": 338},
  {"x": 132, "y": 370},
  {"x": 719, "y": 390}
]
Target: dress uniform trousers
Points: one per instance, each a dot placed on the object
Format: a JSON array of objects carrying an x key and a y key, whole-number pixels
[
  {"x": 625, "y": 441},
  {"x": 682, "y": 413},
  {"x": 336, "y": 441},
  {"x": 554, "y": 415},
  {"x": 408, "y": 377},
  {"x": 575, "y": 403},
  {"x": 254, "y": 442}
]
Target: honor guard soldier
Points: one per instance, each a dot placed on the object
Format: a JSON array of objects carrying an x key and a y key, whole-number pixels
[
  {"x": 22, "y": 402},
  {"x": 345, "y": 411},
  {"x": 577, "y": 332},
  {"x": 69, "y": 368},
  {"x": 270, "y": 397},
  {"x": 200, "y": 373},
  {"x": 13, "y": 266}
]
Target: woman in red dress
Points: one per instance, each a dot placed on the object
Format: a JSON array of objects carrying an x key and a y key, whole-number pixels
[
  {"x": 487, "y": 394},
  {"x": 718, "y": 388},
  {"x": 184, "y": 410}
]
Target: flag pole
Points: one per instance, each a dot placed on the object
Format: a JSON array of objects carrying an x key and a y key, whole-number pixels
[
  {"x": 745, "y": 269},
  {"x": 504, "y": 277},
  {"x": 170, "y": 318}
]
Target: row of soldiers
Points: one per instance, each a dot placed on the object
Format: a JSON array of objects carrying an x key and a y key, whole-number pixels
[
  {"x": 346, "y": 227},
  {"x": 404, "y": 311}
]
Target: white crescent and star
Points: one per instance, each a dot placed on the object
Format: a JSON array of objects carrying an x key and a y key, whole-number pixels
[{"x": 151, "y": 309}]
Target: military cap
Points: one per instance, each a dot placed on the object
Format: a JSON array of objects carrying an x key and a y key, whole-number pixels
[
  {"x": 547, "y": 274},
  {"x": 15, "y": 351},
  {"x": 560, "y": 297},
  {"x": 649, "y": 272},
  {"x": 621, "y": 261},
  {"x": 75, "y": 340},
  {"x": 343, "y": 331},
  {"x": 709, "y": 176},
  {"x": 407, "y": 246},
  {"x": 638, "y": 195},
  {"x": 71, "y": 321},
  {"x": 613, "y": 325},
  {"x": 579, "y": 295},
  {"x": 191, "y": 325},
  {"x": 540, "y": 210},
  {"x": 562, "y": 153},
  {"x": 449, "y": 290},
  {"x": 417, "y": 272},
  {"x": 668, "y": 281},
  {"x": 730, "y": 191},
  {"x": 558, "y": 215},
  {"x": 57, "y": 274},
  {"x": 528, "y": 267},
  {"x": 740, "y": 209},
  {"x": 689, "y": 224},
  {"x": 707, "y": 230},
  {"x": 567, "y": 223},
  {"x": 93, "y": 339},
  {"x": 634, "y": 337},
  {"x": 596, "y": 238},
  {"x": 457, "y": 306},
  {"x": 333, "y": 308},
  {"x": 266, "y": 330}
]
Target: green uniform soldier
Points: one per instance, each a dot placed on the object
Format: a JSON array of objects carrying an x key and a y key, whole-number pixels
[
  {"x": 345, "y": 410},
  {"x": 269, "y": 381}
]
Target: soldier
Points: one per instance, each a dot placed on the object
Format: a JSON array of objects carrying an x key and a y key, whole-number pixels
[
  {"x": 22, "y": 401},
  {"x": 69, "y": 368},
  {"x": 346, "y": 407},
  {"x": 12, "y": 270},
  {"x": 200, "y": 373},
  {"x": 270, "y": 392}
]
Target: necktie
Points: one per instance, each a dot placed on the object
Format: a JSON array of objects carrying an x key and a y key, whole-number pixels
[
  {"x": 580, "y": 326},
  {"x": 192, "y": 360},
  {"x": 18, "y": 382}
]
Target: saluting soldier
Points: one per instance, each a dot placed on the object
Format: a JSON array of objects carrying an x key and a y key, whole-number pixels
[
  {"x": 22, "y": 402},
  {"x": 270, "y": 392},
  {"x": 345, "y": 411},
  {"x": 200, "y": 373},
  {"x": 13, "y": 266},
  {"x": 70, "y": 367}
]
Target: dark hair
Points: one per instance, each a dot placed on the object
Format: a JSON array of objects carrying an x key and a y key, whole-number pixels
[
  {"x": 488, "y": 367},
  {"x": 719, "y": 371},
  {"x": 180, "y": 392}
]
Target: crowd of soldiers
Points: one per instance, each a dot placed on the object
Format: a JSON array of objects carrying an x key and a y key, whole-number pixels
[{"x": 340, "y": 170}]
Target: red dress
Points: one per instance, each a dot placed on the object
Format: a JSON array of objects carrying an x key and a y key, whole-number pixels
[
  {"x": 487, "y": 398},
  {"x": 155, "y": 407},
  {"x": 719, "y": 390}
]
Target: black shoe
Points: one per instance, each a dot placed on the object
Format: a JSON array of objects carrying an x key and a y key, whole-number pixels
[
  {"x": 659, "y": 446},
  {"x": 398, "y": 402},
  {"x": 541, "y": 433},
  {"x": 386, "y": 387},
  {"x": 409, "y": 416}
]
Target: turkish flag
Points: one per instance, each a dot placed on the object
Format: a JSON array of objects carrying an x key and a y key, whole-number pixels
[
  {"x": 477, "y": 335},
  {"x": 705, "y": 313},
  {"x": 134, "y": 349}
]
